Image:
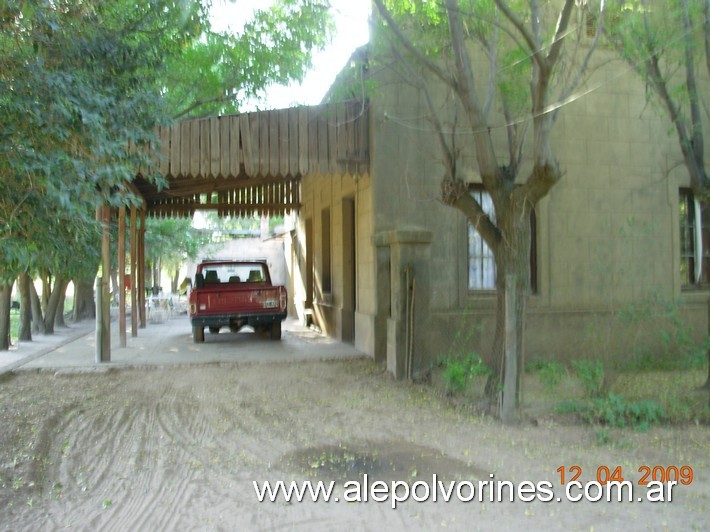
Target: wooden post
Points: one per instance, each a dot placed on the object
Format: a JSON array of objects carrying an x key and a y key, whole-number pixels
[
  {"x": 134, "y": 288},
  {"x": 141, "y": 270},
  {"x": 104, "y": 309},
  {"x": 122, "y": 275},
  {"x": 511, "y": 362}
]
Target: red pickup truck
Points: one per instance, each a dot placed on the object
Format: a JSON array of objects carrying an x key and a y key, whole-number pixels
[{"x": 234, "y": 293}]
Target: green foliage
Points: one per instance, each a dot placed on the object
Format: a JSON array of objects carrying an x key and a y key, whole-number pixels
[
  {"x": 455, "y": 380},
  {"x": 217, "y": 72},
  {"x": 591, "y": 375},
  {"x": 550, "y": 375},
  {"x": 172, "y": 241},
  {"x": 458, "y": 372},
  {"x": 83, "y": 87},
  {"x": 614, "y": 411}
]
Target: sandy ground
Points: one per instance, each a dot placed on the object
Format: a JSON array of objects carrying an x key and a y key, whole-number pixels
[{"x": 178, "y": 449}]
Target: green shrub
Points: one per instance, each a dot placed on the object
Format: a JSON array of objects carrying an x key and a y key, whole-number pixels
[
  {"x": 458, "y": 373},
  {"x": 591, "y": 375},
  {"x": 615, "y": 411},
  {"x": 550, "y": 375},
  {"x": 454, "y": 377}
]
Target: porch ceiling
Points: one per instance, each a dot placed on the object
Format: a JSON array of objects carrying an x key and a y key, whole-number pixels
[{"x": 253, "y": 162}]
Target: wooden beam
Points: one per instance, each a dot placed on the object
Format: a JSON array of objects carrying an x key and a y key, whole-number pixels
[
  {"x": 325, "y": 147},
  {"x": 141, "y": 270},
  {"x": 189, "y": 187},
  {"x": 164, "y": 156},
  {"x": 283, "y": 142},
  {"x": 186, "y": 148},
  {"x": 293, "y": 140},
  {"x": 263, "y": 142},
  {"x": 215, "y": 147},
  {"x": 234, "y": 148},
  {"x": 225, "y": 152},
  {"x": 274, "y": 141},
  {"x": 245, "y": 146},
  {"x": 103, "y": 343},
  {"x": 303, "y": 140},
  {"x": 168, "y": 210},
  {"x": 134, "y": 252},
  {"x": 312, "y": 144},
  {"x": 122, "y": 275},
  {"x": 205, "y": 152},
  {"x": 175, "y": 151}
]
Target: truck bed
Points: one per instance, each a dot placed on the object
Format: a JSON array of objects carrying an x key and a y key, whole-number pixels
[{"x": 234, "y": 294}]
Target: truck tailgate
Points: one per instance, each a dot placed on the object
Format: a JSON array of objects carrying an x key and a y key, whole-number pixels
[{"x": 240, "y": 300}]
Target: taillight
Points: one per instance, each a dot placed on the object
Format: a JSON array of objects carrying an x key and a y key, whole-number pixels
[{"x": 283, "y": 298}]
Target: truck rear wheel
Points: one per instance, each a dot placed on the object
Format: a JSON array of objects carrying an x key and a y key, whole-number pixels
[
  {"x": 198, "y": 334},
  {"x": 276, "y": 330}
]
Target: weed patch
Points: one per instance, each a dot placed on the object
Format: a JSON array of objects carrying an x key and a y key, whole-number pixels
[{"x": 615, "y": 411}]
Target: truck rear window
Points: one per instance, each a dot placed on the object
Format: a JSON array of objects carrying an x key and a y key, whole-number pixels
[{"x": 233, "y": 273}]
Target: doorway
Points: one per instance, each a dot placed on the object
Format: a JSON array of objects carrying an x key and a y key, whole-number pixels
[{"x": 349, "y": 270}]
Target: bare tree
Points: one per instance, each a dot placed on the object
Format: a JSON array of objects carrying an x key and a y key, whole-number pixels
[
  {"x": 545, "y": 77},
  {"x": 668, "y": 45}
]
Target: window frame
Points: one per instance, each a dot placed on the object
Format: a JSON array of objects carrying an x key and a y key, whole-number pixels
[
  {"x": 326, "y": 252},
  {"x": 694, "y": 226},
  {"x": 479, "y": 191}
]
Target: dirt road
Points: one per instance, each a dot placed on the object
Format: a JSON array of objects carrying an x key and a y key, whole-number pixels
[{"x": 179, "y": 448}]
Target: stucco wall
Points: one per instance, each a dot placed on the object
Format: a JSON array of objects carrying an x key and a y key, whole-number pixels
[
  {"x": 607, "y": 234},
  {"x": 332, "y": 311}
]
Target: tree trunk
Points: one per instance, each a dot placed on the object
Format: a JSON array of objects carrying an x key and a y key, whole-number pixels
[
  {"x": 5, "y": 306},
  {"x": 84, "y": 305},
  {"x": 174, "y": 282},
  {"x": 114, "y": 283},
  {"x": 512, "y": 257},
  {"x": 37, "y": 319},
  {"x": 25, "y": 334},
  {"x": 50, "y": 312},
  {"x": 156, "y": 276},
  {"x": 46, "y": 290},
  {"x": 59, "y": 314},
  {"x": 148, "y": 275}
]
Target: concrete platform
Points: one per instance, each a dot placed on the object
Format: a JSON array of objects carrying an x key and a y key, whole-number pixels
[{"x": 169, "y": 343}]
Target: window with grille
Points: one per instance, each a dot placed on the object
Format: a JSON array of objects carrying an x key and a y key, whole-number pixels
[
  {"x": 481, "y": 263},
  {"x": 694, "y": 240}
]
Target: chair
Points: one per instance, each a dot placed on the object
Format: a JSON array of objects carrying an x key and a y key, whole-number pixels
[
  {"x": 255, "y": 276},
  {"x": 234, "y": 279},
  {"x": 211, "y": 277}
]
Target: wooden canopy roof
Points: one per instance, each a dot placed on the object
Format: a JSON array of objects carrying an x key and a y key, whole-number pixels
[{"x": 253, "y": 162}]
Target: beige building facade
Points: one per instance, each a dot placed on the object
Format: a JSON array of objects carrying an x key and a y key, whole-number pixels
[{"x": 618, "y": 263}]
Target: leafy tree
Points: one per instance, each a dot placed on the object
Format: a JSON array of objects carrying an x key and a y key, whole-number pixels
[
  {"x": 526, "y": 51},
  {"x": 77, "y": 89},
  {"x": 169, "y": 244},
  {"x": 667, "y": 43},
  {"x": 83, "y": 84},
  {"x": 217, "y": 72}
]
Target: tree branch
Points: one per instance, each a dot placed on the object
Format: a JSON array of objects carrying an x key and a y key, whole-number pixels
[
  {"x": 468, "y": 205},
  {"x": 691, "y": 82},
  {"x": 449, "y": 155},
  {"x": 466, "y": 91},
  {"x": 562, "y": 24},
  {"x": 199, "y": 103},
  {"x": 529, "y": 38},
  {"x": 493, "y": 51},
  {"x": 409, "y": 45},
  {"x": 585, "y": 64}
]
